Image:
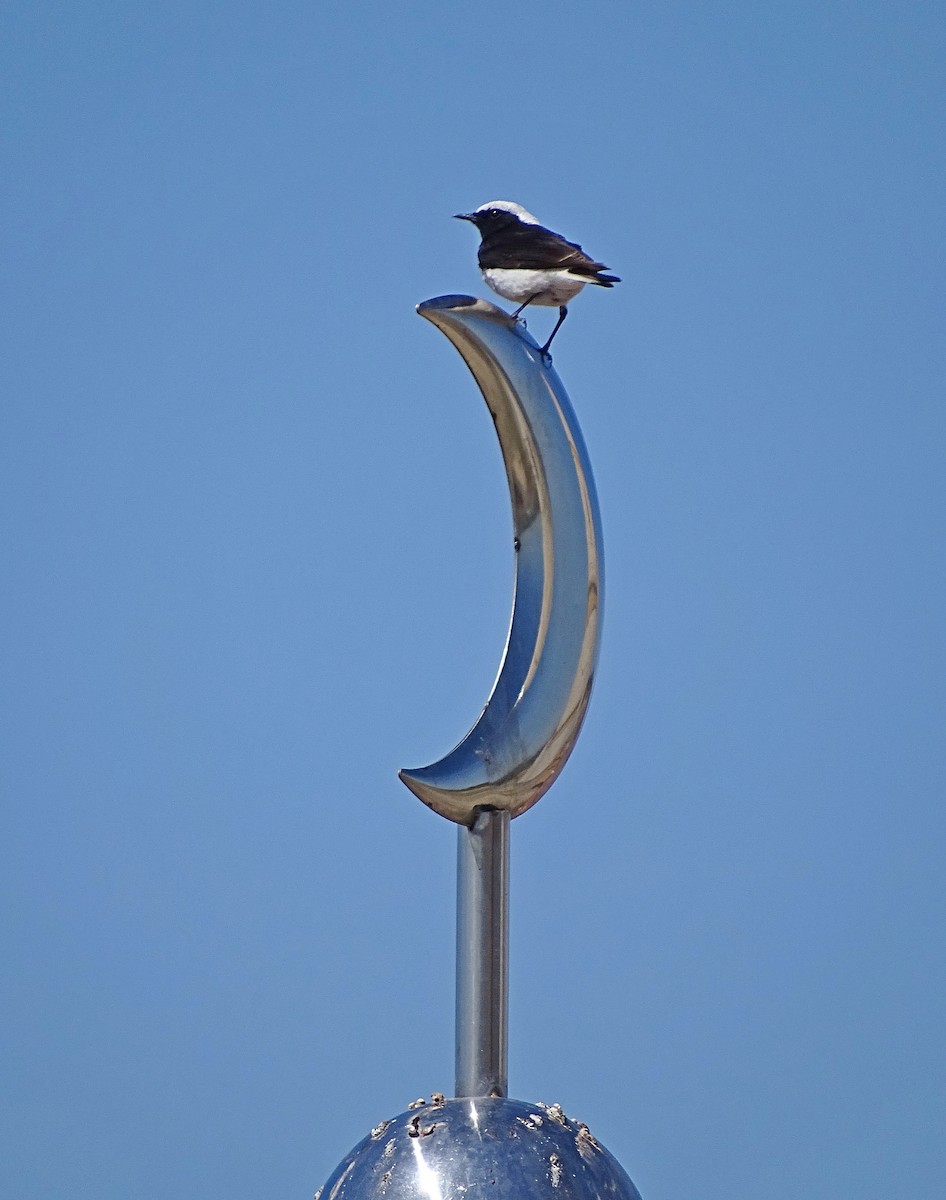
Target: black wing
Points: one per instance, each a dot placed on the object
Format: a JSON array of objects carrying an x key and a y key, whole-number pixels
[{"x": 535, "y": 248}]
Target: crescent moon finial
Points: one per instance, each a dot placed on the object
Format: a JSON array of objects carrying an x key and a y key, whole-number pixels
[{"x": 532, "y": 719}]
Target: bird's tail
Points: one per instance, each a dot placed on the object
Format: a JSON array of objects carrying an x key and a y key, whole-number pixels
[{"x": 606, "y": 280}]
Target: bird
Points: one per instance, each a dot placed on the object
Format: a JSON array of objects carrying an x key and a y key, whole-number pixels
[{"x": 524, "y": 262}]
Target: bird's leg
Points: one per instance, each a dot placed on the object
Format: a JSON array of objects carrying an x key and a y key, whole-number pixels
[
  {"x": 525, "y": 303},
  {"x": 562, "y": 314}
]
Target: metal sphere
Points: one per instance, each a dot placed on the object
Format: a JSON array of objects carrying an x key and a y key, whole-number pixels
[{"x": 466, "y": 1149}]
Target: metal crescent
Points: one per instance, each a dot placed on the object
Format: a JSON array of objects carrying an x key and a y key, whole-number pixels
[{"x": 523, "y": 737}]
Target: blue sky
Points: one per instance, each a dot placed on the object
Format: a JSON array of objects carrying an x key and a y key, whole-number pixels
[{"x": 256, "y": 546}]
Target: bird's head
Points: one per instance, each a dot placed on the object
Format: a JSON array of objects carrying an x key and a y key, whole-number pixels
[{"x": 495, "y": 214}]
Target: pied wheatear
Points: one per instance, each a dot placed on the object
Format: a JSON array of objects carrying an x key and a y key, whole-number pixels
[{"x": 524, "y": 262}]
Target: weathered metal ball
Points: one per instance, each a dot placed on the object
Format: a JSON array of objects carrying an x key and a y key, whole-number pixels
[{"x": 466, "y": 1149}]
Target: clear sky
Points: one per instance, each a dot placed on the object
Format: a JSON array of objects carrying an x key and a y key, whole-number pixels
[{"x": 256, "y": 552}]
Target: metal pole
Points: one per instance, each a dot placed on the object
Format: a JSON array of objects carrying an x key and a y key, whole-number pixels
[{"x": 483, "y": 955}]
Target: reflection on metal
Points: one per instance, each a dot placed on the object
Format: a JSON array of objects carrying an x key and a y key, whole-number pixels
[
  {"x": 527, "y": 730},
  {"x": 474, "y": 1149},
  {"x": 483, "y": 955}
]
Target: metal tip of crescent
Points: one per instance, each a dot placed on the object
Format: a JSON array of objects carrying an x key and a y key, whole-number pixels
[
  {"x": 440, "y": 302},
  {"x": 414, "y": 779},
  {"x": 457, "y": 806},
  {"x": 440, "y": 307},
  {"x": 410, "y": 780}
]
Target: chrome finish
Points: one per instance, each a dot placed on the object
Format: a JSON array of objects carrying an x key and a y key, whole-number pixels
[
  {"x": 477, "y": 1149},
  {"x": 527, "y": 730},
  {"x": 483, "y": 955}
]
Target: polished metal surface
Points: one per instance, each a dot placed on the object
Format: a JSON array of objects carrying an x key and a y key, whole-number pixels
[
  {"x": 527, "y": 730},
  {"x": 483, "y": 955},
  {"x": 472, "y": 1149}
]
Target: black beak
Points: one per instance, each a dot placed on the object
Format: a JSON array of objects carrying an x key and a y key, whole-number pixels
[{"x": 465, "y": 217}]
